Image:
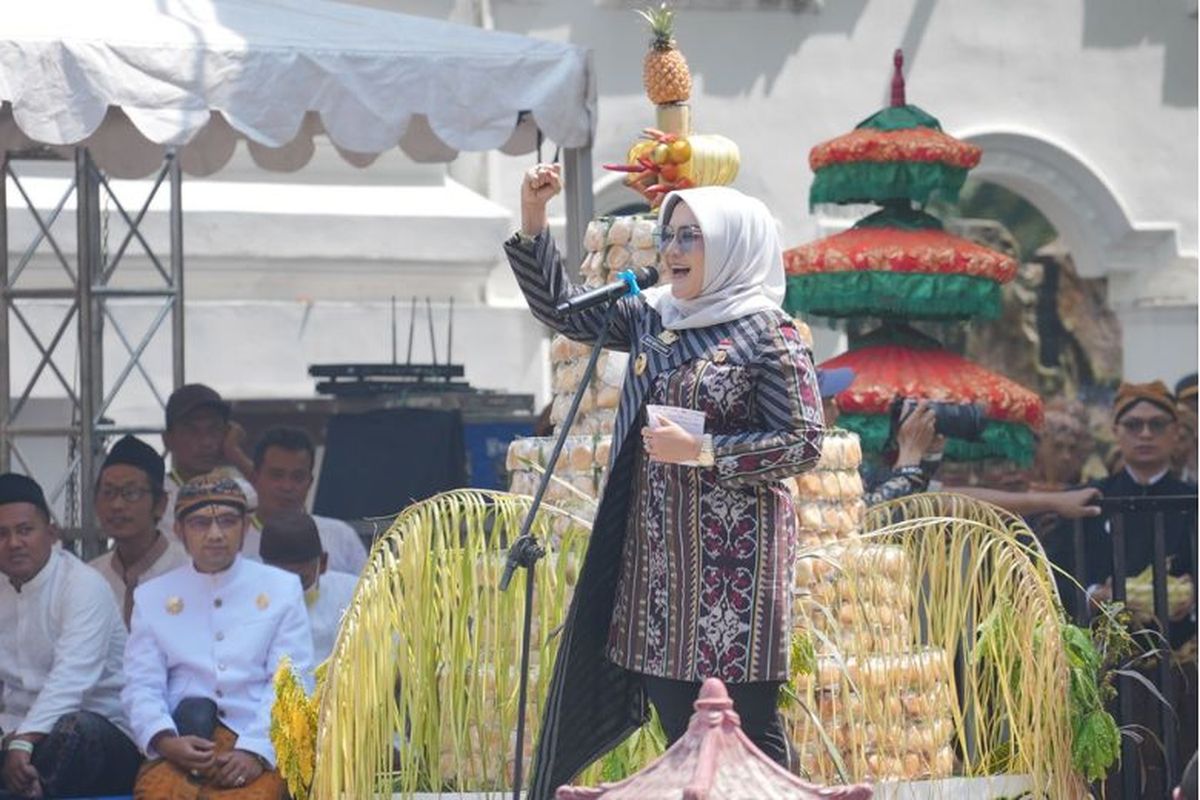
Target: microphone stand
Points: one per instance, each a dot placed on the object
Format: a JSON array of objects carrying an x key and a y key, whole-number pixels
[{"x": 526, "y": 551}]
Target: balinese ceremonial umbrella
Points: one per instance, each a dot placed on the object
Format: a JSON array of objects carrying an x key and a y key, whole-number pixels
[
  {"x": 902, "y": 363},
  {"x": 898, "y": 262},
  {"x": 899, "y": 153}
]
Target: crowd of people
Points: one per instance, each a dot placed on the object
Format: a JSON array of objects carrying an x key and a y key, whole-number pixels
[{"x": 149, "y": 669}]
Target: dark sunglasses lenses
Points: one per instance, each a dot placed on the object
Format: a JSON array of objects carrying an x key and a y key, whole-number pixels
[{"x": 1136, "y": 426}]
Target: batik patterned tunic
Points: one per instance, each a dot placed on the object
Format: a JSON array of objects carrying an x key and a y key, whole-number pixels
[
  {"x": 706, "y": 567},
  {"x": 765, "y": 417}
]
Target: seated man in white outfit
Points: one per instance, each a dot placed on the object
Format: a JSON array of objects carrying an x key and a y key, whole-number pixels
[
  {"x": 203, "y": 647},
  {"x": 290, "y": 542},
  {"x": 282, "y": 476},
  {"x": 61, "y": 640},
  {"x": 130, "y": 501}
]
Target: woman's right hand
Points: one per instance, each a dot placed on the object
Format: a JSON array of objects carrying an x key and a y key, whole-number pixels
[{"x": 539, "y": 184}]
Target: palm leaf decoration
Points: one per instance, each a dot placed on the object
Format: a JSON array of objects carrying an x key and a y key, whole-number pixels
[{"x": 420, "y": 692}]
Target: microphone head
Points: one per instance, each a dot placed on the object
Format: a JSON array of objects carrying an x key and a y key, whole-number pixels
[{"x": 646, "y": 277}]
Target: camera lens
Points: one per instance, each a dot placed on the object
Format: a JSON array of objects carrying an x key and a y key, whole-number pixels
[{"x": 958, "y": 420}]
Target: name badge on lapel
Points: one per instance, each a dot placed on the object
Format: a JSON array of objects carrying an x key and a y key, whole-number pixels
[{"x": 656, "y": 343}]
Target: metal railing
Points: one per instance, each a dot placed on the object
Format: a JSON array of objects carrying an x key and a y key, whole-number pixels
[{"x": 1127, "y": 516}]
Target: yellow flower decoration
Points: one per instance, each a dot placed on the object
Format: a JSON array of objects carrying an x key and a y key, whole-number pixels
[{"x": 294, "y": 730}]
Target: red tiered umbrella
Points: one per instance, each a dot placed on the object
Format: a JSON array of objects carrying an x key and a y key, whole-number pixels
[
  {"x": 910, "y": 365},
  {"x": 896, "y": 262}
]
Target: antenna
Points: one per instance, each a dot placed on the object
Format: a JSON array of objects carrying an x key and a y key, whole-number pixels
[
  {"x": 450, "y": 335},
  {"x": 393, "y": 329},
  {"x": 432, "y": 337},
  {"x": 412, "y": 321}
]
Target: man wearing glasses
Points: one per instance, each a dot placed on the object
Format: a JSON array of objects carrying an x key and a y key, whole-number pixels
[
  {"x": 204, "y": 644},
  {"x": 1145, "y": 422},
  {"x": 130, "y": 501},
  {"x": 1145, "y": 427}
]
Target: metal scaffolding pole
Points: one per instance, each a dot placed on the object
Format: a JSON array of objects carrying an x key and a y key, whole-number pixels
[
  {"x": 5, "y": 342},
  {"x": 177, "y": 340},
  {"x": 89, "y": 269},
  {"x": 94, "y": 301}
]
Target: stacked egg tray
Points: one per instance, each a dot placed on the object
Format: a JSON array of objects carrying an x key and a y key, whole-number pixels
[
  {"x": 598, "y": 407},
  {"x": 887, "y": 715},
  {"x": 856, "y": 597},
  {"x": 828, "y": 498},
  {"x": 882, "y": 701},
  {"x": 615, "y": 244},
  {"x": 578, "y": 477},
  {"x": 612, "y": 245}
]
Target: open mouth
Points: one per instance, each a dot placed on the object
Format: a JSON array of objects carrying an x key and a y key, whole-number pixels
[{"x": 679, "y": 272}]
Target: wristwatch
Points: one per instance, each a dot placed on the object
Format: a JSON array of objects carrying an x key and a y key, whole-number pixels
[{"x": 706, "y": 458}]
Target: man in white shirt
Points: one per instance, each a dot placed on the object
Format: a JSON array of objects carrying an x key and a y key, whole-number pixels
[
  {"x": 129, "y": 503},
  {"x": 203, "y": 647},
  {"x": 201, "y": 439},
  {"x": 61, "y": 640},
  {"x": 282, "y": 476},
  {"x": 290, "y": 542}
]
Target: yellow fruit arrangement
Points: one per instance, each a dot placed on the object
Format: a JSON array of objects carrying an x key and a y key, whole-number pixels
[{"x": 661, "y": 162}]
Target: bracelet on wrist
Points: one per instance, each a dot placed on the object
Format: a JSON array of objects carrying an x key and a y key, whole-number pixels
[{"x": 21, "y": 745}]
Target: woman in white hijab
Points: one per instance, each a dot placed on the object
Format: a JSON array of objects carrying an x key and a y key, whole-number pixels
[{"x": 688, "y": 572}]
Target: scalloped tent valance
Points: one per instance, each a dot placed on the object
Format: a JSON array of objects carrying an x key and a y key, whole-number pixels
[{"x": 131, "y": 80}]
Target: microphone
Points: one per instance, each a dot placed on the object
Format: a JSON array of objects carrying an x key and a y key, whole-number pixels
[{"x": 628, "y": 282}]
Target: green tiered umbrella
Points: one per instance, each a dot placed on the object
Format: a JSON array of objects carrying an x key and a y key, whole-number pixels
[{"x": 899, "y": 153}]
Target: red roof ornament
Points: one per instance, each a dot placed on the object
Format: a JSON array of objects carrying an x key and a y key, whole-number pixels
[
  {"x": 898, "y": 79},
  {"x": 714, "y": 760},
  {"x": 898, "y": 153}
]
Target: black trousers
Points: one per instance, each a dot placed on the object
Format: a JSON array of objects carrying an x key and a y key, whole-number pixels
[
  {"x": 757, "y": 704},
  {"x": 84, "y": 755}
]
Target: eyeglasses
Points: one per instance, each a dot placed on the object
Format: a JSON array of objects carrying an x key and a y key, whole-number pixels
[
  {"x": 1135, "y": 426},
  {"x": 130, "y": 494},
  {"x": 687, "y": 237},
  {"x": 200, "y": 523}
]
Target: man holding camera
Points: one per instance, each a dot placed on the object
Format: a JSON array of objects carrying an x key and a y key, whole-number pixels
[{"x": 918, "y": 445}]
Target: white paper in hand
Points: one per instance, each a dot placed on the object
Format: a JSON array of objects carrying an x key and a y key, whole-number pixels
[{"x": 689, "y": 419}]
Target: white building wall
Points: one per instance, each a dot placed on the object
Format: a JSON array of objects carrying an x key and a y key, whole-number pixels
[
  {"x": 1108, "y": 86},
  {"x": 1089, "y": 107}
]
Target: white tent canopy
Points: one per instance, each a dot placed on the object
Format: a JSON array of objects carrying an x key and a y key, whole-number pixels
[
  {"x": 142, "y": 86},
  {"x": 130, "y": 80}
]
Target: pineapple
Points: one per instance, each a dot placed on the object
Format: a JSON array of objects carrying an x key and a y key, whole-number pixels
[{"x": 665, "y": 70}]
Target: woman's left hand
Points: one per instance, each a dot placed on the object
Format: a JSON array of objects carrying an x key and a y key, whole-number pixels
[{"x": 669, "y": 443}]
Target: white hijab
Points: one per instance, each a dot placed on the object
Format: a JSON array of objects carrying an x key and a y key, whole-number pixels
[{"x": 743, "y": 260}]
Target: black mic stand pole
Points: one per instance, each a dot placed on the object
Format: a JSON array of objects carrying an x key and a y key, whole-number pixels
[{"x": 526, "y": 551}]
